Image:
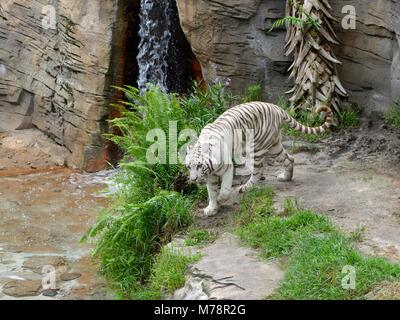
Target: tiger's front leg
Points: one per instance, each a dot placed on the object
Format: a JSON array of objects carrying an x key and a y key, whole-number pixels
[
  {"x": 226, "y": 185},
  {"x": 212, "y": 188}
]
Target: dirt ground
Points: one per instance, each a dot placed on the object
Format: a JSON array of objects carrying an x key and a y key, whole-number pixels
[{"x": 354, "y": 178}]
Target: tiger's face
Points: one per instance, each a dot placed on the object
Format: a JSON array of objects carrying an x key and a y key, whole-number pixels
[{"x": 196, "y": 164}]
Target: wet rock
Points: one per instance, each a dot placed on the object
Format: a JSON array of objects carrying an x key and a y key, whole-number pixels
[
  {"x": 23, "y": 288},
  {"x": 70, "y": 276},
  {"x": 37, "y": 263},
  {"x": 50, "y": 293}
]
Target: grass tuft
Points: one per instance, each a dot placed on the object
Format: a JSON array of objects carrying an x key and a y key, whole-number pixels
[
  {"x": 392, "y": 116},
  {"x": 253, "y": 93},
  {"x": 199, "y": 237},
  {"x": 167, "y": 275},
  {"x": 348, "y": 119}
]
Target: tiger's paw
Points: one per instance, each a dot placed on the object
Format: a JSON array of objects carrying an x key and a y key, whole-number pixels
[
  {"x": 210, "y": 211},
  {"x": 222, "y": 198}
]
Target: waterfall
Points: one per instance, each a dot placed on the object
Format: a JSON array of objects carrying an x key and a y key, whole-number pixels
[{"x": 155, "y": 34}]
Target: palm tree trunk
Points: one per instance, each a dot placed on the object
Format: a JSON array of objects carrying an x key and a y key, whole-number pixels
[{"x": 314, "y": 69}]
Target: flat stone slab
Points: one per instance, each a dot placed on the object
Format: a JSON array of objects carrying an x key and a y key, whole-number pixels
[
  {"x": 230, "y": 271},
  {"x": 23, "y": 288},
  {"x": 37, "y": 263}
]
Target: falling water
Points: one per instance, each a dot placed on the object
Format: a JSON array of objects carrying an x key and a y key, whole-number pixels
[{"x": 155, "y": 34}]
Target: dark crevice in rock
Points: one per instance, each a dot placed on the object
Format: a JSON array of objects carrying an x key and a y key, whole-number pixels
[{"x": 183, "y": 66}]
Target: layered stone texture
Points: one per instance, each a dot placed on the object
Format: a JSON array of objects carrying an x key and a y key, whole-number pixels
[
  {"x": 231, "y": 40},
  {"x": 370, "y": 53},
  {"x": 57, "y": 79}
]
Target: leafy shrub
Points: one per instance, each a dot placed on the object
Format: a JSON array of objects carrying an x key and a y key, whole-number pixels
[
  {"x": 202, "y": 107},
  {"x": 153, "y": 201},
  {"x": 131, "y": 234}
]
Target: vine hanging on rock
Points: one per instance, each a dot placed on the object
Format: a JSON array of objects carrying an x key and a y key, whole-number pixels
[{"x": 309, "y": 38}]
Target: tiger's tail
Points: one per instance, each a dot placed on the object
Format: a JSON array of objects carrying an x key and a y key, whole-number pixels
[{"x": 293, "y": 123}]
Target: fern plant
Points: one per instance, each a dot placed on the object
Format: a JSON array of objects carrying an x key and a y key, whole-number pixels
[
  {"x": 153, "y": 201},
  {"x": 305, "y": 20}
]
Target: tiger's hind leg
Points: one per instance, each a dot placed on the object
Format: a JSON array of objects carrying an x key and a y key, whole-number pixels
[
  {"x": 279, "y": 153},
  {"x": 288, "y": 163},
  {"x": 255, "y": 176}
]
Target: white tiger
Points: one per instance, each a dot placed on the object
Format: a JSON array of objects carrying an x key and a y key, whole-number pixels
[{"x": 264, "y": 120}]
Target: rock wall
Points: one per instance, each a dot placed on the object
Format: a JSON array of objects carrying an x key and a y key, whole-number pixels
[
  {"x": 231, "y": 40},
  {"x": 57, "y": 79}
]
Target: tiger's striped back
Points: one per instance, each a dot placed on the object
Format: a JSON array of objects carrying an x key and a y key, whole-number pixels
[{"x": 265, "y": 119}]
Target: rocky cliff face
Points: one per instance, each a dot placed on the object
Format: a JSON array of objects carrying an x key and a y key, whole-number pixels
[
  {"x": 231, "y": 40},
  {"x": 56, "y": 79}
]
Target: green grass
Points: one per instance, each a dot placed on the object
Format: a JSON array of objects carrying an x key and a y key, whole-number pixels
[
  {"x": 252, "y": 93},
  {"x": 167, "y": 275},
  {"x": 131, "y": 235},
  {"x": 392, "y": 116},
  {"x": 199, "y": 237},
  {"x": 348, "y": 118},
  {"x": 314, "y": 271},
  {"x": 314, "y": 250}
]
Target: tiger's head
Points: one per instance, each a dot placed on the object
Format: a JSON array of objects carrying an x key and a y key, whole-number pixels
[{"x": 197, "y": 164}]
